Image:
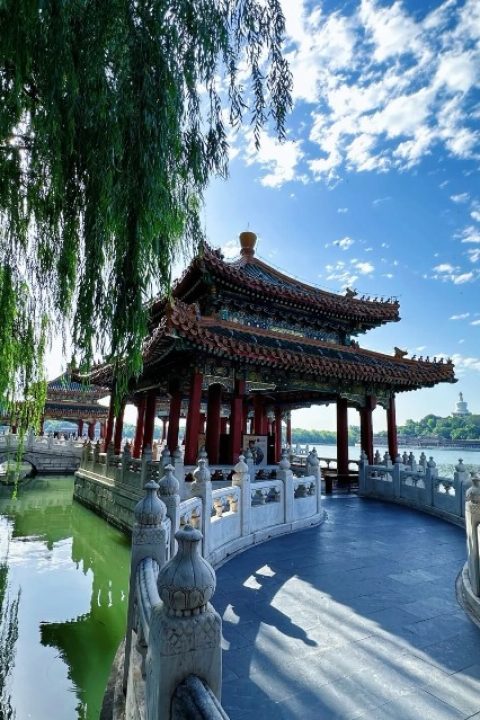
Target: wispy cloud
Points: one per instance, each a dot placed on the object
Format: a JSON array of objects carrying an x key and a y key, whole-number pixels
[
  {"x": 344, "y": 243},
  {"x": 342, "y": 210},
  {"x": 462, "y": 316},
  {"x": 470, "y": 234},
  {"x": 383, "y": 89},
  {"x": 461, "y": 198},
  {"x": 475, "y": 322}
]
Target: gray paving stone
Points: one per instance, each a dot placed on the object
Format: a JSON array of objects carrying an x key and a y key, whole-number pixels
[{"x": 335, "y": 622}]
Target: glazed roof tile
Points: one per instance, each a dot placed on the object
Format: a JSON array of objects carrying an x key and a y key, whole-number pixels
[
  {"x": 254, "y": 345},
  {"x": 249, "y": 274}
]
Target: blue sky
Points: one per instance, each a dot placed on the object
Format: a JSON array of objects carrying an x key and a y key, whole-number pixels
[{"x": 377, "y": 186}]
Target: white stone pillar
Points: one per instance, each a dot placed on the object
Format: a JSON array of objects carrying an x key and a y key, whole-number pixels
[
  {"x": 285, "y": 474},
  {"x": 431, "y": 475},
  {"x": 313, "y": 469},
  {"x": 185, "y": 629},
  {"x": 148, "y": 540},
  {"x": 472, "y": 523},
  {"x": 168, "y": 492},
  {"x": 202, "y": 487},
  {"x": 241, "y": 479}
]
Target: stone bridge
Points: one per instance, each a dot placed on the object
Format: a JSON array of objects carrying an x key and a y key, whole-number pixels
[{"x": 46, "y": 455}]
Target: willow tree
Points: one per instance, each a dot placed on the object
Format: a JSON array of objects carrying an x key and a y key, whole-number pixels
[{"x": 113, "y": 116}]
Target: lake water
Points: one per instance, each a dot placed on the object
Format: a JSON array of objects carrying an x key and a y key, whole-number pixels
[
  {"x": 63, "y": 591},
  {"x": 445, "y": 459}
]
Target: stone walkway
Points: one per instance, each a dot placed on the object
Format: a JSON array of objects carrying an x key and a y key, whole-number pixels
[{"x": 354, "y": 619}]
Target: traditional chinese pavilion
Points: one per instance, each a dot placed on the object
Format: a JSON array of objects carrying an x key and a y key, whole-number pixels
[
  {"x": 76, "y": 402},
  {"x": 240, "y": 344}
]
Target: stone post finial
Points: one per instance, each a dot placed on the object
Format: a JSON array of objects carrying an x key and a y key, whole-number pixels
[
  {"x": 150, "y": 510},
  {"x": 185, "y": 630},
  {"x": 201, "y": 474},
  {"x": 405, "y": 458},
  {"x": 169, "y": 484},
  {"x": 187, "y": 582},
  {"x": 377, "y": 458},
  {"x": 202, "y": 454}
]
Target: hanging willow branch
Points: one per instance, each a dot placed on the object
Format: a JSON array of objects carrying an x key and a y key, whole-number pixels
[{"x": 113, "y": 116}]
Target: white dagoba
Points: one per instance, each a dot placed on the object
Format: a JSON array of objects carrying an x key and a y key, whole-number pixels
[{"x": 461, "y": 407}]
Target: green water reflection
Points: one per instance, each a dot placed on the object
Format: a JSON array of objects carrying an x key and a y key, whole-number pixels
[{"x": 63, "y": 590}]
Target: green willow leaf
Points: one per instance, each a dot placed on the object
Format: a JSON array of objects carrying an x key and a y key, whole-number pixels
[{"x": 113, "y": 116}]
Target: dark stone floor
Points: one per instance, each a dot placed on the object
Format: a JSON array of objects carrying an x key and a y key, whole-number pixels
[{"x": 354, "y": 619}]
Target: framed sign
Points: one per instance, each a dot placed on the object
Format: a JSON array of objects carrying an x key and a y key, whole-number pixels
[{"x": 258, "y": 446}]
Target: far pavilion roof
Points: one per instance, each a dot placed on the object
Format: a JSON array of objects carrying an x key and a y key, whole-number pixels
[{"x": 68, "y": 397}]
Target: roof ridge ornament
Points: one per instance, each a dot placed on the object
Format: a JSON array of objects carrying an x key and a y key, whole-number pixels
[{"x": 248, "y": 240}]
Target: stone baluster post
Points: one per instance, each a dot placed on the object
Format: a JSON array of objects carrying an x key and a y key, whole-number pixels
[
  {"x": 165, "y": 459},
  {"x": 387, "y": 460},
  {"x": 126, "y": 459},
  {"x": 185, "y": 630},
  {"x": 250, "y": 463},
  {"x": 285, "y": 474},
  {"x": 178, "y": 464},
  {"x": 241, "y": 479},
  {"x": 313, "y": 468},
  {"x": 397, "y": 477},
  {"x": 405, "y": 457},
  {"x": 30, "y": 439},
  {"x": 423, "y": 461},
  {"x": 472, "y": 523},
  {"x": 146, "y": 463},
  {"x": 459, "y": 477},
  {"x": 377, "y": 458},
  {"x": 412, "y": 462},
  {"x": 362, "y": 473},
  {"x": 431, "y": 475},
  {"x": 168, "y": 492},
  {"x": 202, "y": 487},
  {"x": 149, "y": 539}
]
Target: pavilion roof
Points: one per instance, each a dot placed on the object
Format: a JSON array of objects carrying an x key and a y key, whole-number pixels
[
  {"x": 250, "y": 276},
  {"x": 183, "y": 328},
  {"x": 70, "y": 384}
]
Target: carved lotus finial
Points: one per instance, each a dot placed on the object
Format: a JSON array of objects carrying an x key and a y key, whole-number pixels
[
  {"x": 187, "y": 582},
  {"x": 150, "y": 510}
]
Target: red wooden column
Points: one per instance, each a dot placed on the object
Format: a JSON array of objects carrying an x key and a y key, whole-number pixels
[
  {"x": 192, "y": 430},
  {"x": 80, "y": 428},
  {"x": 278, "y": 434},
  {"x": 110, "y": 422},
  {"x": 102, "y": 430},
  {"x": 138, "y": 442},
  {"x": 258, "y": 415},
  {"x": 149, "y": 423},
  {"x": 342, "y": 437},
  {"x": 289, "y": 429},
  {"x": 392, "y": 430},
  {"x": 174, "y": 420},
  {"x": 91, "y": 430},
  {"x": 117, "y": 440},
  {"x": 201, "y": 430},
  {"x": 237, "y": 420},
  {"x": 366, "y": 427},
  {"x": 212, "y": 438}
]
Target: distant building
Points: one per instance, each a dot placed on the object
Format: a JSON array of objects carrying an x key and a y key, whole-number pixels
[{"x": 461, "y": 407}]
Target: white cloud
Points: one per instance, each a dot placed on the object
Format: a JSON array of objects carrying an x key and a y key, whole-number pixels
[
  {"x": 444, "y": 268},
  {"x": 475, "y": 322},
  {"x": 365, "y": 268},
  {"x": 382, "y": 88},
  {"x": 462, "y": 316},
  {"x": 463, "y": 278},
  {"x": 463, "y": 363},
  {"x": 280, "y": 160},
  {"x": 469, "y": 234},
  {"x": 474, "y": 255},
  {"x": 460, "y": 198},
  {"x": 231, "y": 249},
  {"x": 344, "y": 243},
  {"x": 342, "y": 210},
  {"x": 475, "y": 215}
]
